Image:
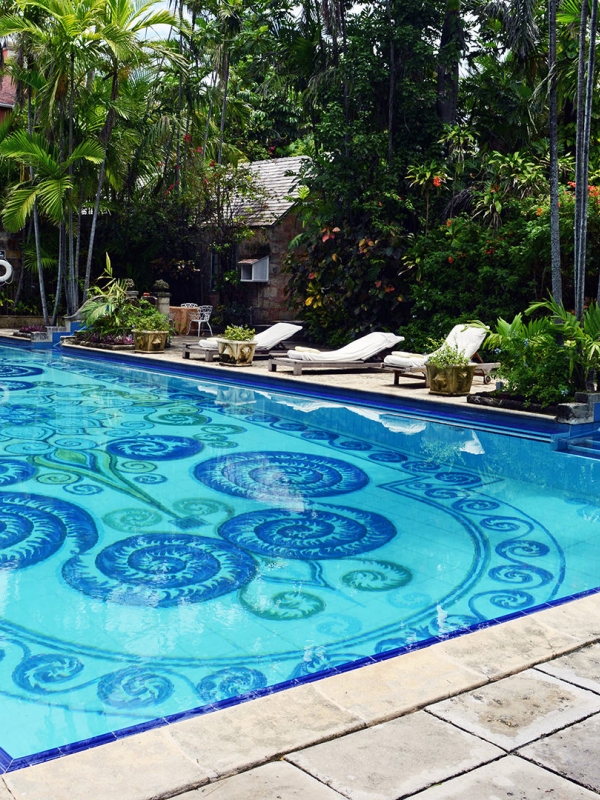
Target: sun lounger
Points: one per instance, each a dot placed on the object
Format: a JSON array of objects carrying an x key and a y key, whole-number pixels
[
  {"x": 467, "y": 338},
  {"x": 266, "y": 341},
  {"x": 352, "y": 356}
]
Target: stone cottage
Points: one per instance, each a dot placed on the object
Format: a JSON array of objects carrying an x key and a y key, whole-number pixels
[{"x": 274, "y": 224}]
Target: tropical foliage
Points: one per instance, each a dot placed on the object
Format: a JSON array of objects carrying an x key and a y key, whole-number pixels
[{"x": 454, "y": 147}]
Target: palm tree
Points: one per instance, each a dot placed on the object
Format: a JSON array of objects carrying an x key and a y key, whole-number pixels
[{"x": 121, "y": 24}]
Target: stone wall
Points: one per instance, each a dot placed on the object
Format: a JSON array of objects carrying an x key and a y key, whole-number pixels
[{"x": 268, "y": 300}]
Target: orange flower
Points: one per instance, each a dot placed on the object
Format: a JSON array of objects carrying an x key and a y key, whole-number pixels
[
  {"x": 437, "y": 181},
  {"x": 539, "y": 212},
  {"x": 450, "y": 260}
]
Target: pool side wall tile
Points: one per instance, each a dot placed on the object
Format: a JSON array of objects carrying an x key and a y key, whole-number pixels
[
  {"x": 140, "y": 767},
  {"x": 250, "y": 734}
]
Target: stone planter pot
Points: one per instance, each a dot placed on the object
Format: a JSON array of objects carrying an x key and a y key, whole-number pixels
[
  {"x": 150, "y": 341},
  {"x": 236, "y": 354},
  {"x": 450, "y": 381}
]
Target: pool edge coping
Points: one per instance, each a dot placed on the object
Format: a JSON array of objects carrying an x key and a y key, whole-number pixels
[{"x": 548, "y": 630}]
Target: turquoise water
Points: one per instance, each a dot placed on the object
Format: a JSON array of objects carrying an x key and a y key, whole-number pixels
[{"x": 169, "y": 544}]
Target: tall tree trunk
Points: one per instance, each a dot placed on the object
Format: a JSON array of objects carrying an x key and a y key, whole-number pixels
[
  {"x": 451, "y": 47},
  {"x": 105, "y": 135},
  {"x": 223, "y": 106},
  {"x": 392, "y": 84},
  {"x": 580, "y": 189},
  {"x": 553, "y": 137},
  {"x": 36, "y": 224},
  {"x": 62, "y": 241},
  {"x": 72, "y": 278}
]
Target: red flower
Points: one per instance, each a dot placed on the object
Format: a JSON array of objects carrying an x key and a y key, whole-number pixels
[
  {"x": 450, "y": 260},
  {"x": 187, "y": 137},
  {"x": 437, "y": 181}
]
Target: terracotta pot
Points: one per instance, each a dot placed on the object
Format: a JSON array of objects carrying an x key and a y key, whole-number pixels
[
  {"x": 236, "y": 354},
  {"x": 150, "y": 341},
  {"x": 451, "y": 381}
]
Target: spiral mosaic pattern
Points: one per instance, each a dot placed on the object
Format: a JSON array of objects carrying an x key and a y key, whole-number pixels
[
  {"x": 231, "y": 682},
  {"x": 33, "y": 527},
  {"x": 13, "y": 471},
  {"x": 40, "y": 674},
  {"x": 155, "y": 448},
  {"x": 18, "y": 371},
  {"x": 279, "y": 475},
  {"x": 161, "y": 570},
  {"x": 134, "y": 688},
  {"x": 318, "y": 533}
]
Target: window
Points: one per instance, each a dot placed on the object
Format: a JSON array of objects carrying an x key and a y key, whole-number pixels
[{"x": 254, "y": 270}]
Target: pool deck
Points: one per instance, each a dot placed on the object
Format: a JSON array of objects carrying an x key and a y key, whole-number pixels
[{"x": 509, "y": 711}]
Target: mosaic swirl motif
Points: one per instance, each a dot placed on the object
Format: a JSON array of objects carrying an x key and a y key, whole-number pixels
[
  {"x": 161, "y": 569},
  {"x": 15, "y": 471},
  {"x": 40, "y": 673},
  {"x": 134, "y": 688},
  {"x": 317, "y": 533},
  {"x": 230, "y": 683},
  {"x": 18, "y": 371},
  {"x": 155, "y": 448},
  {"x": 279, "y": 475},
  {"x": 33, "y": 527}
]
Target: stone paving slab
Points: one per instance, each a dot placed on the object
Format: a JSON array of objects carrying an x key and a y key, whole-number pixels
[
  {"x": 581, "y": 668},
  {"x": 246, "y": 735},
  {"x": 573, "y": 752},
  {"x": 518, "y": 709},
  {"x": 275, "y": 781},
  {"x": 503, "y": 649},
  {"x": 4, "y": 793},
  {"x": 399, "y": 685},
  {"x": 141, "y": 767},
  {"x": 394, "y": 759},
  {"x": 510, "y": 778}
]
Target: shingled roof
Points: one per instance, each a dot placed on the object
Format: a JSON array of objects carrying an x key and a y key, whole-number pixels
[{"x": 279, "y": 177}]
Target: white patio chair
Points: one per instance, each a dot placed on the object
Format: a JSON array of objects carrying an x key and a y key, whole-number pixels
[{"x": 200, "y": 317}]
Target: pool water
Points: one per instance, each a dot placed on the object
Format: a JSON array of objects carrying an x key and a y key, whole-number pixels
[{"x": 168, "y": 544}]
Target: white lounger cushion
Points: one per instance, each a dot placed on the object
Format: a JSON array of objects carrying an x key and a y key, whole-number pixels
[
  {"x": 265, "y": 340},
  {"x": 467, "y": 338},
  {"x": 363, "y": 348}
]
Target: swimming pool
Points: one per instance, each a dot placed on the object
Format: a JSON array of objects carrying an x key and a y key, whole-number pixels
[{"x": 169, "y": 545}]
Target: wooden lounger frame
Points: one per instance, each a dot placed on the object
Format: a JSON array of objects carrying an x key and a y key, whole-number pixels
[{"x": 298, "y": 366}]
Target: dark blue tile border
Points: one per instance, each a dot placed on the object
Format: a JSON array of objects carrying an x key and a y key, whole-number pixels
[{"x": 472, "y": 417}]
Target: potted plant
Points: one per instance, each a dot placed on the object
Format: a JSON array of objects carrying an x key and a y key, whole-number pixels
[
  {"x": 236, "y": 346},
  {"x": 150, "y": 328},
  {"x": 449, "y": 371},
  {"x": 106, "y": 314}
]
